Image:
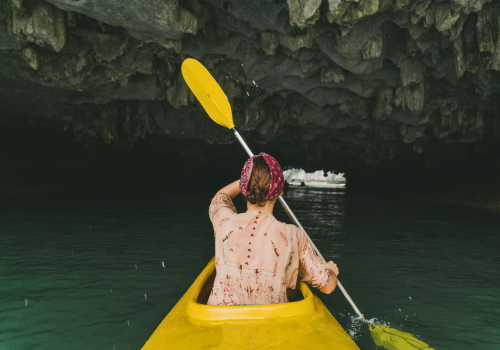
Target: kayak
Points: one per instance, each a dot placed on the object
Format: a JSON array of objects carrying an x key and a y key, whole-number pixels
[{"x": 302, "y": 323}]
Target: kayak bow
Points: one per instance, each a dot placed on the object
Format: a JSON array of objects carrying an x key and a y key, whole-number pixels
[{"x": 302, "y": 324}]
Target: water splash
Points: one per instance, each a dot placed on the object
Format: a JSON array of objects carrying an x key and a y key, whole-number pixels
[
  {"x": 356, "y": 326},
  {"x": 376, "y": 322},
  {"x": 383, "y": 334}
]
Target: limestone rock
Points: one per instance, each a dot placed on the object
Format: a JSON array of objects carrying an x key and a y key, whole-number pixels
[
  {"x": 90, "y": 124},
  {"x": 469, "y": 6},
  {"x": 400, "y": 4},
  {"x": 411, "y": 97},
  {"x": 49, "y": 25},
  {"x": 299, "y": 41},
  {"x": 137, "y": 122},
  {"x": 371, "y": 79},
  {"x": 303, "y": 12},
  {"x": 17, "y": 3},
  {"x": 70, "y": 19},
  {"x": 150, "y": 20},
  {"x": 341, "y": 11},
  {"x": 176, "y": 45},
  {"x": 21, "y": 23},
  {"x": 411, "y": 94},
  {"x": 457, "y": 28},
  {"x": 332, "y": 74},
  {"x": 446, "y": 17},
  {"x": 108, "y": 46},
  {"x": 355, "y": 108},
  {"x": 30, "y": 56},
  {"x": 411, "y": 133},
  {"x": 488, "y": 30},
  {"x": 270, "y": 42},
  {"x": 309, "y": 68},
  {"x": 383, "y": 109},
  {"x": 179, "y": 95},
  {"x": 411, "y": 71},
  {"x": 373, "y": 47}
]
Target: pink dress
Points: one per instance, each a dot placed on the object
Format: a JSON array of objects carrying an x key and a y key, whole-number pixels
[{"x": 257, "y": 257}]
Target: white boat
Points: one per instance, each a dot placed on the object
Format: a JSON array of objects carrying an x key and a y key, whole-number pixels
[
  {"x": 298, "y": 177},
  {"x": 324, "y": 185}
]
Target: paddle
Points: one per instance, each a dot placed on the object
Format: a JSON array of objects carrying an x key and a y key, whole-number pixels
[{"x": 216, "y": 104}]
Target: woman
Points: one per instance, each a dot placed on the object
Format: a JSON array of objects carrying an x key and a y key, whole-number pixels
[{"x": 257, "y": 257}]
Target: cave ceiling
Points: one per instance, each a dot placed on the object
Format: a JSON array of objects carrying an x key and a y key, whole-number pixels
[{"x": 371, "y": 79}]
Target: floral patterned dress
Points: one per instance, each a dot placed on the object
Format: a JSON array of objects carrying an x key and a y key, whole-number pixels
[{"x": 257, "y": 257}]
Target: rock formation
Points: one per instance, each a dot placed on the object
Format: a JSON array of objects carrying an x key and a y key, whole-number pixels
[{"x": 369, "y": 79}]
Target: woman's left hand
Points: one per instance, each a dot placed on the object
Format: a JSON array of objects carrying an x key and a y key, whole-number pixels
[{"x": 232, "y": 190}]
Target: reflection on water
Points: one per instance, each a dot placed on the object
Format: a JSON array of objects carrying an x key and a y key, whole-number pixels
[
  {"x": 97, "y": 273},
  {"x": 320, "y": 211},
  {"x": 422, "y": 268}
]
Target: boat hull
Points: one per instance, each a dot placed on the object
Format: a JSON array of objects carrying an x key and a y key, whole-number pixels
[
  {"x": 324, "y": 185},
  {"x": 317, "y": 184},
  {"x": 304, "y": 324}
]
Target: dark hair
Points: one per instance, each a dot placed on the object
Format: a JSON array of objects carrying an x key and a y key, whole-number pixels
[{"x": 258, "y": 188}]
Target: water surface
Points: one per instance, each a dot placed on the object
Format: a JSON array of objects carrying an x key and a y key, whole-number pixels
[{"x": 84, "y": 272}]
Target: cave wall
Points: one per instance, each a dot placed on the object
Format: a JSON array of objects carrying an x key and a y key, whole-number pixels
[{"x": 360, "y": 84}]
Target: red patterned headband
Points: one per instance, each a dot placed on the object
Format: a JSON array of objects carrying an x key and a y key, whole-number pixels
[{"x": 277, "y": 182}]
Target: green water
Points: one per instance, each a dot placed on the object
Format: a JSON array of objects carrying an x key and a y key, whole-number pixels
[{"x": 87, "y": 273}]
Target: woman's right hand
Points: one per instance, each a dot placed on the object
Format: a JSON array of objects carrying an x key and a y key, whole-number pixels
[
  {"x": 332, "y": 283},
  {"x": 332, "y": 267}
]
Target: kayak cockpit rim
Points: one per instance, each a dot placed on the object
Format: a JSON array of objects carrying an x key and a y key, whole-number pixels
[{"x": 211, "y": 313}]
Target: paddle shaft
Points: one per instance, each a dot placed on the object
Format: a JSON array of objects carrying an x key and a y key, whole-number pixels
[{"x": 294, "y": 219}]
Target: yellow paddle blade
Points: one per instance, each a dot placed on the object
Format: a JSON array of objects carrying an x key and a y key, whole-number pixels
[
  {"x": 208, "y": 92},
  {"x": 392, "y": 339}
]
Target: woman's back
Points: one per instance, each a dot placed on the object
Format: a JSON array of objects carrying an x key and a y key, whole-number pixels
[{"x": 258, "y": 257}]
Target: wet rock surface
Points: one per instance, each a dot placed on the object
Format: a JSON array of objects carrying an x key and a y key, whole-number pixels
[{"x": 354, "y": 85}]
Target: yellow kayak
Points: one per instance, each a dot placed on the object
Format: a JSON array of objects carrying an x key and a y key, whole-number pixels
[{"x": 303, "y": 323}]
